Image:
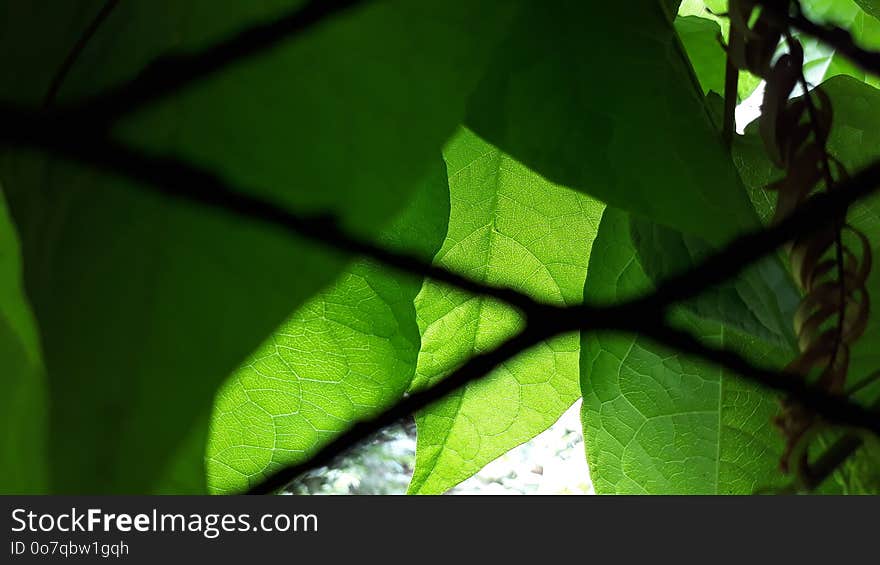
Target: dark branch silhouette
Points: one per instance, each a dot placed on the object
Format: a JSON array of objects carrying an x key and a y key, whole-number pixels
[
  {"x": 811, "y": 216},
  {"x": 474, "y": 368},
  {"x": 169, "y": 74},
  {"x": 180, "y": 180},
  {"x": 479, "y": 366}
]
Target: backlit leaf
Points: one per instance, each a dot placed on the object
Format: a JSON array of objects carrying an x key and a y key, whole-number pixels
[{"x": 507, "y": 226}]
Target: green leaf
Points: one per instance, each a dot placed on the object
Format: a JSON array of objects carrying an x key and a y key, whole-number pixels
[
  {"x": 700, "y": 33},
  {"x": 346, "y": 353},
  {"x": 23, "y": 402},
  {"x": 656, "y": 421},
  {"x": 507, "y": 226},
  {"x": 145, "y": 304},
  {"x": 631, "y": 129}
]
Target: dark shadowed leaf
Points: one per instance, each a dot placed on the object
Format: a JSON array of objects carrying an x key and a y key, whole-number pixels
[{"x": 146, "y": 305}]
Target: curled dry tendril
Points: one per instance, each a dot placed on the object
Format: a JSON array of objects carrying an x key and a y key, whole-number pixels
[{"x": 831, "y": 272}]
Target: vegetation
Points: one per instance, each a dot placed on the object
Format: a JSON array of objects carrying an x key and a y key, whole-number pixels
[{"x": 238, "y": 239}]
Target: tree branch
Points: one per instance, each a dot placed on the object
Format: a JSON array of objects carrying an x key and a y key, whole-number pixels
[
  {"x": 169, "y": 74},
  {"x": 180, "y": 180},
  {"x": 813, "y": 215},
  {"x": 838, "y": 408},
  {"x": 177, "y": 179}
]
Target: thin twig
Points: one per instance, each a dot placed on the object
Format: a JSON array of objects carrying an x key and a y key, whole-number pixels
[
  {"x": 76, "y": 50},
  {"x": 169, "y": 74}
]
